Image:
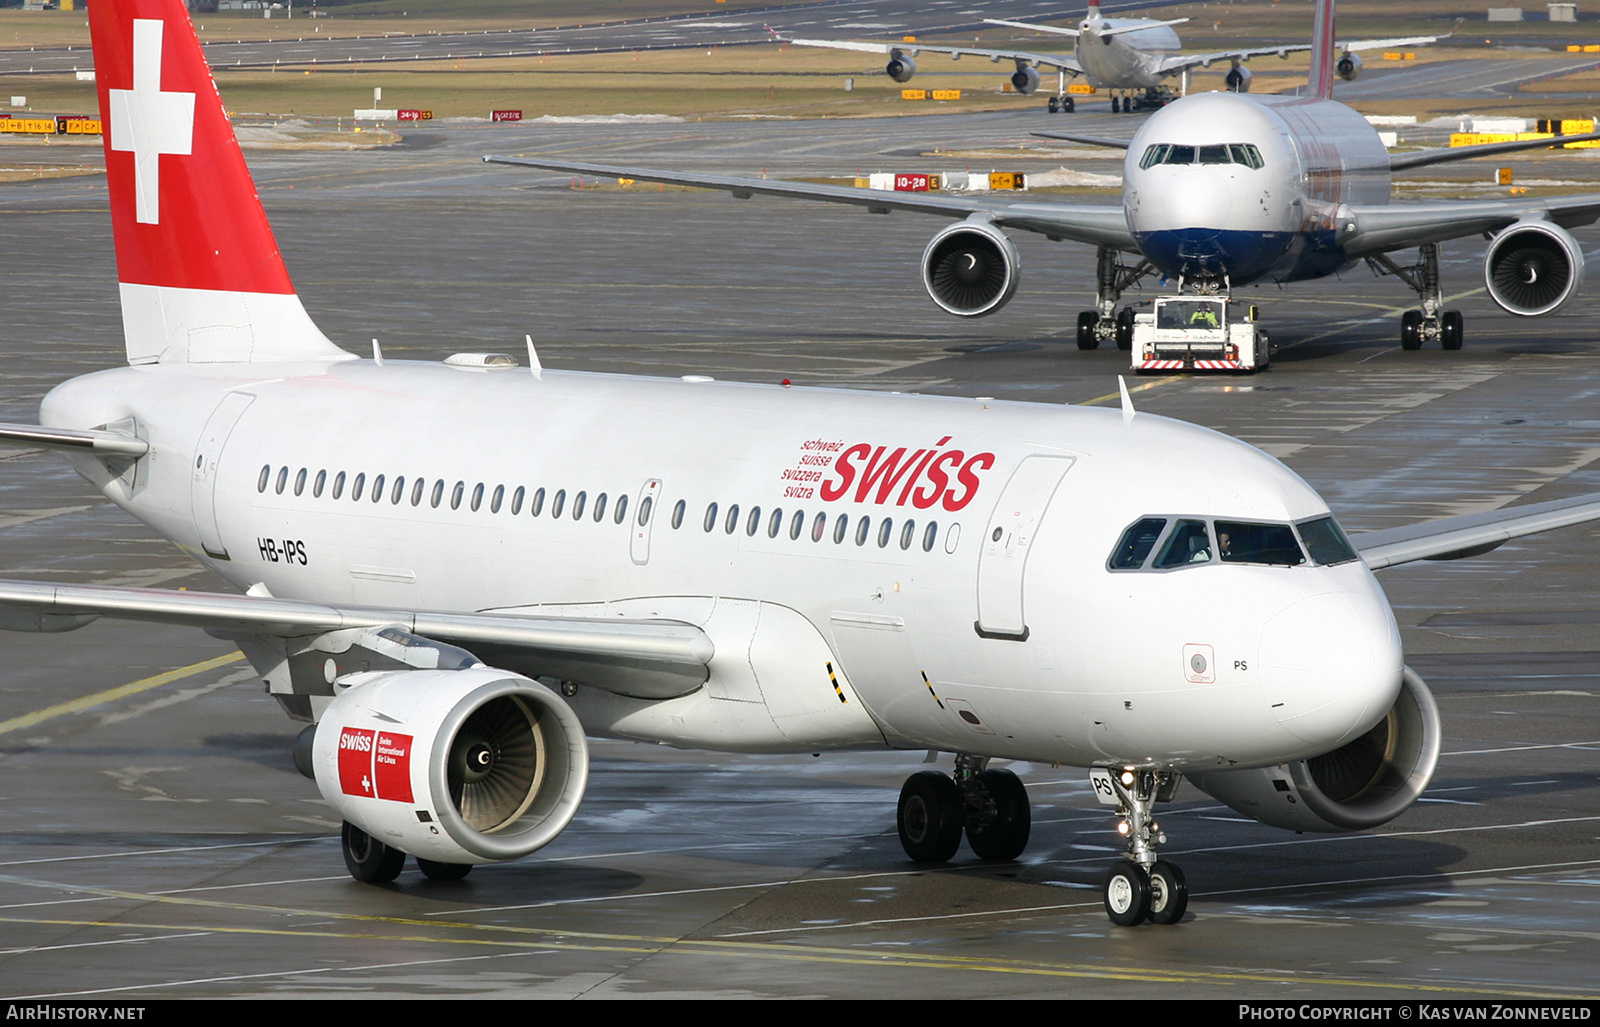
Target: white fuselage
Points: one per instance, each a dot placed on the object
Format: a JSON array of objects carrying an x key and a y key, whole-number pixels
[
  {"x": 1124, "y": 60},
  {"x": 977, "y": 612},
  {"x": 1225, "y": 219}
]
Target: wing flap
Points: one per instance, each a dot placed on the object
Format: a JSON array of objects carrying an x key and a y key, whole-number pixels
[{"x": 1453, "y": 538}]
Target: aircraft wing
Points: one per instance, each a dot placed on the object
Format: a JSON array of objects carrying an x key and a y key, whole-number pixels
[
  {"x": 647, "y": 658},
  {"x": 1403, "y": 225},
  {"x": 1096, "y": 224},
  {"x": 1087, "y": 140},
  {"x": 1062, "y": 62},
  {"x": 1471, "y": 534},
  {"x": 1444, "y": 154},
  {"x": 1179, "y": 62}
]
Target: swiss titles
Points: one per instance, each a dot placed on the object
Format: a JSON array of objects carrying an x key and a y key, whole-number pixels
[
  {"x": 885, "y": 476},
  {"x": 800, "y": 478}
]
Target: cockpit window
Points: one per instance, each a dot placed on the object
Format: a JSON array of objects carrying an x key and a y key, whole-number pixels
[
  {"x": 1220, "y": 153},
  {"x": 1136, "y": 544},
  {"x": 1188, "y": 543},
  {"x": 1247, "y": 542},
  {"x": 1325, "y": 541},
  {"x": 1185, "y": 542}
]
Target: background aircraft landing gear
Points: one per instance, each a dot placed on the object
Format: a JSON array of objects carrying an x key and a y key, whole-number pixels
[
  {"x": 990, "y": 805},
  {"x": 1141, "y": 886},
  {"x": 369, "y": 860},
  {"x": 1062, "y": 104}
]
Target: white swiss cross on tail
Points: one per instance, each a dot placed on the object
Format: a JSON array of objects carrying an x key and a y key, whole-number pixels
[{"x": 148, "y": 122}]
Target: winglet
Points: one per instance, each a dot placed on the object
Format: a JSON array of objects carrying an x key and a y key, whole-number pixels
[
  {"x": 533, "y": 360},
  {"x": 1127, "y": 400}
]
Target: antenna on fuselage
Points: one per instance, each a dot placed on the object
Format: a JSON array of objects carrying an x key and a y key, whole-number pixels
[
  {"x": 1127, "y": 400},
  {"x": 377, "y": 353},
  {"x": 533, "y": 360}
]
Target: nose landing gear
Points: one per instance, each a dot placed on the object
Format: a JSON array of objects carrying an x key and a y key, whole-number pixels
[
  {"x": 991, "y": 806},
  {"x": 1140, "y": 886}
]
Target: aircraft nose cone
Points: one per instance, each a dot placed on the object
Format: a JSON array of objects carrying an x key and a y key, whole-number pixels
[
  {"x": 1329, "y": 664},
  {"x": 1192, "y": 198}
]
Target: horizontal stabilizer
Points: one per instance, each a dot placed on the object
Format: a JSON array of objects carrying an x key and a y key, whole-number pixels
[{"x": 100, "y": 443}]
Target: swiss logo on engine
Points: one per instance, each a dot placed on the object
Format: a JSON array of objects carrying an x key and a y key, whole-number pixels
[
  {"x": 355, "y": 762},
  {"x": 376, "y": 764}
]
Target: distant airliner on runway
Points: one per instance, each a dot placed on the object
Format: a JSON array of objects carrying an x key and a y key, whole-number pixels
[
  {"x": 1132, "y": 57},
  {"x": 1220, "y": 190}
]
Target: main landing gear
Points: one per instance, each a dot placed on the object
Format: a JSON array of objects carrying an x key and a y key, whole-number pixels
[
  {"x": 1063, "y": 104},
  {"x": 990, "y": 805},
  {"x": 1105, "y": 323},
  {"x": 372, "y": 862},
  {"x": 1431, "y": 321},
  {"x": 1141, "y": 886}
]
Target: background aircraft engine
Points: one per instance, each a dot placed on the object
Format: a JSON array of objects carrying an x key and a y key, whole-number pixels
[
  {"x": 1025, "y": 81},
  {"x": 1238, "y": 79},
  {"x": 1349, "y": 67},
  {"x": 458, "y": 766},
  {"x": 1533, "y": 268},
  {"x": 970, "y": 269},
  {"x": 1362, "y": 784},
  {"x": 901, "y": 68}
]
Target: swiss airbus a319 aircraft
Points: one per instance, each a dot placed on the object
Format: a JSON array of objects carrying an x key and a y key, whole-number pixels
[
  {"x": 1132, "y": 57},
  {"x": 1221, "y": 190},
  {"x": 1108, "y": 590}
]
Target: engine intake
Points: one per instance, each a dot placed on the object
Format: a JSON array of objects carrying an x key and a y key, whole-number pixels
[
  {"x": 1533, "y": 268},
  {"x": 1348, "y": 67},
  {"x": 1364, "y": 783},
  {"x": 461, "y": 766},
  {"x": 1025, "y": 81},
  {"x": 970, "y": 269},
  {"x": 900, "y": 67},
  {"x": 1238, "y": 79}
]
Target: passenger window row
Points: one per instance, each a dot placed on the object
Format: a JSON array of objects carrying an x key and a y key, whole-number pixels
[
  {"x": 397, "y": 490},
  {"x": 400, "y": 490},
  {"x": 752, "y": 522}
]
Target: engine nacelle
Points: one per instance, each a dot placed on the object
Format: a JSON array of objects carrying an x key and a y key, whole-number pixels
[
  {"x": 455, "y": 766},
  {"x": 1364, "y": 783},
  {"x": 900, "y": 67},
  {"x": 1238, "y": 79},
  {"x": 1348, "y": 67},
  {"x": 1025, "y": 81},
  {"x": 971, "y": 268},
  {"x": 1533, "y": 268}
]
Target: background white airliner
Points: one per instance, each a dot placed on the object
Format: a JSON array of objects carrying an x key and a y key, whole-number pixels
[
  {"x": 1132, "y": 57},
  {"x": 456, "y": 571},
  {"x": 1221, "y": 190}
]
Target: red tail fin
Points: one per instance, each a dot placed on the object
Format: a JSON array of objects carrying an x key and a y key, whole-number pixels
[
  {"x": 1322, "y": 55},
  {"x": 200, "y": 273}
]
